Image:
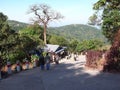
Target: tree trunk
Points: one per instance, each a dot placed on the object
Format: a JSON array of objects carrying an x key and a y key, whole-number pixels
[
  {"x": 113, "y": 55},
  {"x": 45, "y": 27}
]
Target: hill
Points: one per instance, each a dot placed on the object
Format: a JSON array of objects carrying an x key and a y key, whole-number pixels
[
  {"x": 78, "y": 31},
  {"x": 16, "y": 25},
  {"x": 73, "y": 31}
]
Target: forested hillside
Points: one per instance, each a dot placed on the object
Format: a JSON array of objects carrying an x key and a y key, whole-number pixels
[
  {"x": 77, "y": 31},
  {"x": 73, "y": 31},
  {"x": 16, "y": 25}
]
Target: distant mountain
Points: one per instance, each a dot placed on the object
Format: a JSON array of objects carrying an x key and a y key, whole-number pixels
[
  {"x": 16, "y": 25},
  {"x": 77, "y": 31},
  {"x": 73, "y": 31}
]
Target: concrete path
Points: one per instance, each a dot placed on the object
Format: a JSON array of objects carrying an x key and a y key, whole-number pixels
[{"x": 68, "y": 75}]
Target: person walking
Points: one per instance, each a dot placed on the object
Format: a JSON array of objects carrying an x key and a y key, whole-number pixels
[
  {"x": 47, "y": 61},
  {"x": 56, "y": 59},
  {"x": 42, "y": 61},
  {"x": 9, "y": 71},
  {"x": 75, "y": 57}
]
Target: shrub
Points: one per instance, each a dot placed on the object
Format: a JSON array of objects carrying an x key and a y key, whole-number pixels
[
  {"x": 92, "y": 58},
  {"x": 113, "y": 55}
]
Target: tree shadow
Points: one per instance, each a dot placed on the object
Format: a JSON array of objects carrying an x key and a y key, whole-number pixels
[{"x": 67, "y": 75}]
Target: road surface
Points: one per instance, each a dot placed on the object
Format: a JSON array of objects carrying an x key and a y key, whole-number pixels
[{"x": 68, "y": 75}]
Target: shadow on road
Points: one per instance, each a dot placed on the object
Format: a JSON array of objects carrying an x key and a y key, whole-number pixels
[
  {"x": 64, "y": 76},
  {"x": 72, "y": 76}
]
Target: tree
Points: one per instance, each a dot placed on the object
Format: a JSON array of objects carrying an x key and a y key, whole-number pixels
[
  {"x": 73, "y": 44},
  {"x": 35, "y": 33},
  {"x": 111, "y": 29},
  {"x": 113, "y": 55},
  {"x": 44, "y": 15},
  {"x": 12, "y": 45},
  {"x": 4, "y": 32},
  {"x": 89, "y": 45},
  {"x": 58, "y": 40},
  {"x": 94, "y": 20},
  {"x": 110, "y": 17}
]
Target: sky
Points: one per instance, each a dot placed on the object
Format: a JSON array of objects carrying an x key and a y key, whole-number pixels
[{"x": 74, "y": 11}]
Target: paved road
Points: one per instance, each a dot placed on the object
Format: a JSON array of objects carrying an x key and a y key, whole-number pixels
[{"x": 68, "y": 75}]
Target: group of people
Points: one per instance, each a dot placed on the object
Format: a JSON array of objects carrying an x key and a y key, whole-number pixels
[{"x": 46, "y": 59}]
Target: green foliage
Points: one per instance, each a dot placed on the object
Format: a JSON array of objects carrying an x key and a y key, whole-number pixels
[
  {"x": 35, "y": 32},
  {"x": 89, "y": 45},
  {"x": 93, "y": 20},
  {"x": 110, "y": 10},
  {"x": 5, "y": 37},
  {"x": 99, "y": 5},
  {"x": 73, "y": 44},
  {"x": 15, "y": 46},
  {"x": 110, "y": 16},
  {"x": 78, "y": 32},
  {"x": 58, "y": 40},
  {"x": 34, "y": 29},
  {"x": 111, "y": 24},
  {"x": 15, "y": 25},
  {"x": 26, "y": 42},
  {"x": 3, "y": 19},
  {"x": 75, "y": 37}
]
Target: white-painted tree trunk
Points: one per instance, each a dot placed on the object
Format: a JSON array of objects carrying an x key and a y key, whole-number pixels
[
  {"x": 18, "y": 66},
  {"x": 27, "y": 64},
  {"x": 9, "y": 67},
  {"x": 34, "y": 63}
]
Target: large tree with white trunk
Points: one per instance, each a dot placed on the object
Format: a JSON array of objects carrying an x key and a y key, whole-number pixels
[{"x": 44, "y": 15}]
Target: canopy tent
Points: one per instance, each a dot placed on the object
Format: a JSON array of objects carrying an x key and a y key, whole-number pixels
[
  {"x": 53, "y": 48},
  {"x": 58, "y": 51}
]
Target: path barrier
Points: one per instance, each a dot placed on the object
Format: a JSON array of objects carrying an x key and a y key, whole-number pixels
[
  {"x": 34, "y": 63},
  {"x": 18, "y": 66},
  {"x": 9, "y": 71},
  {"x": 27, "y": 64}
]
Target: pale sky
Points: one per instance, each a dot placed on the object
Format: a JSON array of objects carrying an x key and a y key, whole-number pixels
[{"x": 74, "y": 11}]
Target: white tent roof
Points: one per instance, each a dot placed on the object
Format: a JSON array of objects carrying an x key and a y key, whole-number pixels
[{"x": 51, "y": 48}]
